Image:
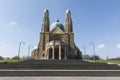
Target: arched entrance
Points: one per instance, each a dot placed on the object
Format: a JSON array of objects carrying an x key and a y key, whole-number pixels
[{"x": 56, "y": 53}]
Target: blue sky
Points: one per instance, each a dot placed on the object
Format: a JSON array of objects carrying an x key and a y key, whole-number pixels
[{"x": 93, "y": 20}]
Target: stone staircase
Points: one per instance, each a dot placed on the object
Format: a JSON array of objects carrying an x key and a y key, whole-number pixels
[{"x": 59, "y": 64}]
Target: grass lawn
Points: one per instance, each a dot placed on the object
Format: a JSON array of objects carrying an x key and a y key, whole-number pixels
[
  {"x": 106, "y": 61},
  {"x": 98, "y": 61},
  {"x": 10, "y": 60}
]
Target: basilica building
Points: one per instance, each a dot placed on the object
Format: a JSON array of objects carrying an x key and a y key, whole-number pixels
[{"x": 56, "y": 40}]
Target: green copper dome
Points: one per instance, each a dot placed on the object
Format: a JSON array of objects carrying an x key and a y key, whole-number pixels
[{"x": 57, "y": 24}]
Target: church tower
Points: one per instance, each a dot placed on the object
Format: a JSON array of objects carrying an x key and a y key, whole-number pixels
[
  {"x": 44, "y": 35},
  {"x": 68, "y": 22},
  {"x": 69, "y": 32},
  {"x": 45, "y": 22}
]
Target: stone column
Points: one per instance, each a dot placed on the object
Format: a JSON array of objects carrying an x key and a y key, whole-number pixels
[
  {"x": 65, "y": 53},
  {"x": 48, "y": 53},
  {"x": 60, "y": 52},
  {"x": 53, "y": 52}
]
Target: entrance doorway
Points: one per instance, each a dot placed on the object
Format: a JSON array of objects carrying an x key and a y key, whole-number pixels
[
  {"x": 50, "y": 53},
  {"x": 56, "y": 56}
]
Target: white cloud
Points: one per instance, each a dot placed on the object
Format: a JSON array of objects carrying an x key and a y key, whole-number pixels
[
  {"x": 13, "y": 23},
  {"x": 100, "y": 46},
  {"x": 118, "y": 46}
]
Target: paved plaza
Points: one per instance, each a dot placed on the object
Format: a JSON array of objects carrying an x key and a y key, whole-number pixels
[{"x": 59, "y": 78}]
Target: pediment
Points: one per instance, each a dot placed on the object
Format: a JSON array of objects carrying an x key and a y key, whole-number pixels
[{"x": 57, "y": 30}]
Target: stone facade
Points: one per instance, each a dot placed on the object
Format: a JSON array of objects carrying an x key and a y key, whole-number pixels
[{"x": 57, "y": 40}]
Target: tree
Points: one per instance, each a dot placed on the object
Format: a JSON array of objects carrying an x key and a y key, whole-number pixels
[
  {"x": 1, "y": 58},
  {"x": 86, "y": 57},
  {"x": 15, "y": 57},
  {"x": 96, "y": 57},
  {"x": 7, "y": 58}
]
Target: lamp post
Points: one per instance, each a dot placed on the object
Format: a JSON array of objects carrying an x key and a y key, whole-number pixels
[
  {"x": 107, "y": 57},
  {"x": 84, "y": 51},
  {"x": 21, "y": 42},
  {"x": 93, "y": 46},
  {"x": 30, "y": 46}
]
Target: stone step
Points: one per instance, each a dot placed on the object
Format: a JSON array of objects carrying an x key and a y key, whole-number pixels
[{"x": 56, "y": 64}]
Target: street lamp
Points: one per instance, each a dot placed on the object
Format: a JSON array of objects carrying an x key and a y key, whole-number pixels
[
  {"x": 84, "y": 50},
  {"x": 93, "y": 46},
  {"x": 30, "y": 46},
  {"x": 107, "y": 57},
  {"x": 21, "y": 42}
]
